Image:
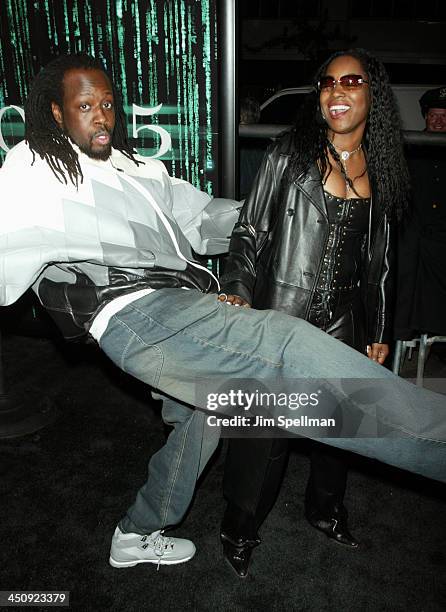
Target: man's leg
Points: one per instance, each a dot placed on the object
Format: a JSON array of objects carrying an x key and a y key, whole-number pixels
[
  {"x": 165, "y": 497},
  {"x": 173, "y": 471},
  {"x": 177, "y": 340}
]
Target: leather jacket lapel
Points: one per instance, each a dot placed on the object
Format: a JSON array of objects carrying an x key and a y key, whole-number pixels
[{"x": 310, "y": 185}]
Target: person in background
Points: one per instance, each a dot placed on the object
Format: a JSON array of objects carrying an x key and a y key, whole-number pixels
[
  {"x": 433, "y": 107},
  {"x": 421, "y": 295},
  {"x": 314, "y": 239},
  {"x": 251, "y": 149},
  {"x": 249, "y": 110}
]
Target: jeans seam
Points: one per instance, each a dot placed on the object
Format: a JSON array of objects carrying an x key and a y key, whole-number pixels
[
  {"x": 124, "y": 353},
  {"x": 389, "y": 423},
  {"x": 134, "y": 336},
  {"x": 411, "y": 434},
  {"x": 170, "y": 329},
  {"x": 166, "y": 505},
  {"x": 232, "y": 351}
]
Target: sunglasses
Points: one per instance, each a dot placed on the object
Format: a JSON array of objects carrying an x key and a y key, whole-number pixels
[{"x": 348, "y": 81}]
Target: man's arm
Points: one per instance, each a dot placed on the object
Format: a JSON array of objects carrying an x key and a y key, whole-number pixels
[
  {"x": 25, "y": 245},
  {"x": 206, "y": 222}
]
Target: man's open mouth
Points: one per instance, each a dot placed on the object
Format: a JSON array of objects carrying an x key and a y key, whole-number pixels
[{"x": 102, "y": 138}]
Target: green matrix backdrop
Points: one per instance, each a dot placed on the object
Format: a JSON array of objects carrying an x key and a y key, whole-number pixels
[{"x": 159, "y": 53}]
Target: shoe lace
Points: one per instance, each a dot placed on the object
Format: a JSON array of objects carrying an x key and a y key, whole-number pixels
[{"x": 160, "y": 543}]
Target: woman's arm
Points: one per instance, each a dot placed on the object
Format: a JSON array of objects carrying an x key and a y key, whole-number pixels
[
  {"x": 249, "y": 236},
  {"x": 380, "y": 292}
]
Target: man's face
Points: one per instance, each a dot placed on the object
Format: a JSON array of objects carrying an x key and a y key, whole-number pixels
[
  {"x": 436, "y": 120},
  {"x": 87, "y": 115}
]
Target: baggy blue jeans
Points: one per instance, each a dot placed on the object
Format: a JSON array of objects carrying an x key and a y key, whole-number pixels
[
  {"x": 173, "y": 470},
  {"x": 171, "y": 339}
]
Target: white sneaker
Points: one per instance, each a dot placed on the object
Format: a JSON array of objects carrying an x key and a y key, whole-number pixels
[{"x": 129, "y": 549}]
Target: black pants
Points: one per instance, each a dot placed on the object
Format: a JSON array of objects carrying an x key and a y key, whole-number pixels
[{"x": 255, "y": 466}]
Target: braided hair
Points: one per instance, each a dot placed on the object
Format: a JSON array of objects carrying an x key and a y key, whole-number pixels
[
  {"x": 386, "y": 165},
  {"x": 44, "y": 135}
]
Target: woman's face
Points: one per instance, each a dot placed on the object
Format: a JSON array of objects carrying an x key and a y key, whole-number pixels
[{"x": 345, "y": 109}]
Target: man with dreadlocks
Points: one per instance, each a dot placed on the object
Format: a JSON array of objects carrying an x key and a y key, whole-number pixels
[
  {"x": 314, "y": 240},
  {"x": 95, "y": 205},
  {"x": 105, "y": 239}
]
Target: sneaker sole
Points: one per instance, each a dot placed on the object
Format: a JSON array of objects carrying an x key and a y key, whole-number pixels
[{"x": 122, "y": 564}]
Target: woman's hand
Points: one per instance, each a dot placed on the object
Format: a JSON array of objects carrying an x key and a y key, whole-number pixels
[
  {"x": 233, "y": 300},
  {"x": 378, "y": 352}
]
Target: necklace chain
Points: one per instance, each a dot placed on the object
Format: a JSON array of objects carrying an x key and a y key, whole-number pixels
[{"x": 345, "y": 155}]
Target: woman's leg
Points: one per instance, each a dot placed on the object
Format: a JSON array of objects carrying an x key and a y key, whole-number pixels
[
  {"x": 324, "y": 496},
  {"x": 253, "y": 474}
]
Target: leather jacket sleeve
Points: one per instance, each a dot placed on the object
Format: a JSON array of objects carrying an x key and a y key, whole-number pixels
[
  {"x": 250, "y": 233},
  {"x": 73, "y": 306},
  {"x": 380, "y": 284}
]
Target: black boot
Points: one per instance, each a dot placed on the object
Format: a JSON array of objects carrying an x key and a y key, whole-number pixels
[
  {"x": 238, "y": 536},
  {"x": 335, "y": 526},
  {"x": 238, "y": 552},
  {"x": 324, "y": 508}
]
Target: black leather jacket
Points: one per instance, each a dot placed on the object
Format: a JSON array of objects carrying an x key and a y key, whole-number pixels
[
  {"x": 73, "y": 306},
  {"x": 277, "y": 246}
]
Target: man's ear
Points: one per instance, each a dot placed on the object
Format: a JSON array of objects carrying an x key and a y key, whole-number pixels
[{"x": 57, "y": 114}]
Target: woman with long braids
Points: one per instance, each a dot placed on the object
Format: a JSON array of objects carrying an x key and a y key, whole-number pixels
[{"x": 314, "y": 239}]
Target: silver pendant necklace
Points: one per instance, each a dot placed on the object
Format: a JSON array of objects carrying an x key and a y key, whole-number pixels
[
  {"x": 342, "y": 157},
  {"x": 345, "y": 155}
]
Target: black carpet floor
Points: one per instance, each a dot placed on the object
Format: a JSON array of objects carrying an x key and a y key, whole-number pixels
[{"x": 64, "y": 488}]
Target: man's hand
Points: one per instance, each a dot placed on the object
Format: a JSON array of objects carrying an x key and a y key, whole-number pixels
[
  {"x": 378, "y": 352},
  {"x": 233, "y": 300}
]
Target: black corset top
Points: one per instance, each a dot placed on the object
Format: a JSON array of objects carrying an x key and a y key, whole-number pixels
[
  {"x": 349, "y": 220},
  {"x": 340, "y": 271}
]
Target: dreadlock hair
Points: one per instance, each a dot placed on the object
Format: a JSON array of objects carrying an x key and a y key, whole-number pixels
[
  {"x": 386, "y": 165},
  {"x": 42, "y": 132}
]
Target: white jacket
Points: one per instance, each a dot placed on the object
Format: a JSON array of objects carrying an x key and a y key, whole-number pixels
[{"x": 121, "y": 216}]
